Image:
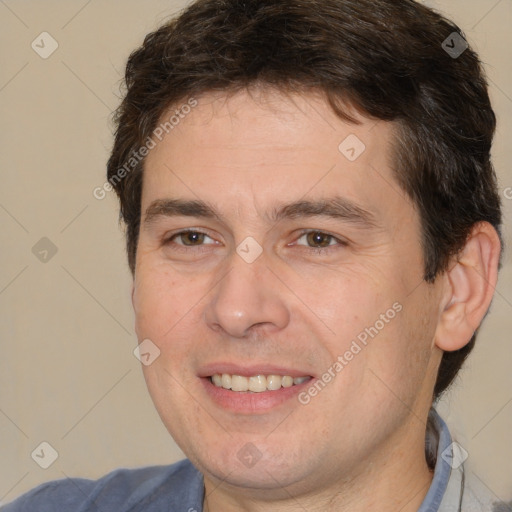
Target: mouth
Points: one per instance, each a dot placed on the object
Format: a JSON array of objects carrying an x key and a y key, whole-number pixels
[
  {"x": 255, "y": 383},
  {"x": 258, "y": 389}
]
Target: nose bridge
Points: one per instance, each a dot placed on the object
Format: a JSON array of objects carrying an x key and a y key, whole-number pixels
[{"x": 246, "y": 295}]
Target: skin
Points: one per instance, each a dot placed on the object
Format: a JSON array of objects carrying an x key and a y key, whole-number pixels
[{"x": 297, "y": 307}]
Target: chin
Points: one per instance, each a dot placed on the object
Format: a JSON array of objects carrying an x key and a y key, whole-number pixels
[{"x": 244, "y": 464}]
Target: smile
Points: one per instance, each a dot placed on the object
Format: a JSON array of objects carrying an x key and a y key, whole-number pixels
[{"x": 255, "y": 383}]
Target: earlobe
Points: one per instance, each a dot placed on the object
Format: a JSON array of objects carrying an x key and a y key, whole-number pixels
[{"x": 470, "y": 284}]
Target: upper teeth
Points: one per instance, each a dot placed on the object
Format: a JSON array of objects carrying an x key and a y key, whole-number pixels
[{"x": 256, "y": 383}]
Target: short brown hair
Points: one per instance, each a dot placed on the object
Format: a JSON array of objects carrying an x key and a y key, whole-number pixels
[{"x": 384, "y": 57}]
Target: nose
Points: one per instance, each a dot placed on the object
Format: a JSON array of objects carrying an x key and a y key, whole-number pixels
[{"x": 246, "y": 299}]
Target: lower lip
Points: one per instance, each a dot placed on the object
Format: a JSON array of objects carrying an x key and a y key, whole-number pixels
[{"x": 249, "y": 402}]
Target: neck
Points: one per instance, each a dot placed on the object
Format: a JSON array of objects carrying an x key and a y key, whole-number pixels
[{"x": 396, "y": 477}]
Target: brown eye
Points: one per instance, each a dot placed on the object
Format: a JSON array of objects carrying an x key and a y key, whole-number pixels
[
  {"x": 191, "y": 237},
  {"x": 188, "y": 238},
  {"x": 317, "y": 238},
  {"x": 319, "y": 241}
]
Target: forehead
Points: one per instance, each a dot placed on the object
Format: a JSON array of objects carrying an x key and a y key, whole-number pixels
[{"x": 249, "y": 150}]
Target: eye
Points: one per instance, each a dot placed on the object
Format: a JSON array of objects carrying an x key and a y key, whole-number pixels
[
  {"x": 320, "y": 240},
  {"x": 188, "y": 238}
]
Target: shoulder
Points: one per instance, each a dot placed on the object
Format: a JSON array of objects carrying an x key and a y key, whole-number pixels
[{"x": 150, "y": 488}]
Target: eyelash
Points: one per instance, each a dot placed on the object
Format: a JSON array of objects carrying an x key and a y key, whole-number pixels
[{"x": 318, "y": 250}]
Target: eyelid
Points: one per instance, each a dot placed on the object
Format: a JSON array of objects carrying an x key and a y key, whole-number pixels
[
  {"x": 169, "y": 237},
  {"x": 341, "y": 241}
]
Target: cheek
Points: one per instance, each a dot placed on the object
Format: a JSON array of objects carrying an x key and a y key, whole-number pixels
[
  {"x": 373, "y": 313},
  {"x": 158, "y": 300},
  {"x": 352, "y": 300},
  {"x": 400, "y": 355}
]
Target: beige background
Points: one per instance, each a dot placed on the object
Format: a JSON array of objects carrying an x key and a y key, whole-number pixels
[{"x": 67, "y": 372}]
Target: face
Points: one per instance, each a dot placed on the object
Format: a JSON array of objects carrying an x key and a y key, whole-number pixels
[{"x": 276, "y": 248}]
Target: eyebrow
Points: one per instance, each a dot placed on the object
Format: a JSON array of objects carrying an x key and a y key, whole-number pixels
[{"x": 336, "y": 207}]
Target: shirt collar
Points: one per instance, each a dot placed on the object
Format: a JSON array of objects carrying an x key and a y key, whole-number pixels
[{"x": 445, "y": 492}]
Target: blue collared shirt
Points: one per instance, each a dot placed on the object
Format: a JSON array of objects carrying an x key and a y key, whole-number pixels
[
  {"x": 453, "y": 489},
  {"x": 179, "y": 487}
]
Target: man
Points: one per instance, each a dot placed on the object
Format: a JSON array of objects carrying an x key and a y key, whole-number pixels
[{"x": 313, "y": 227}]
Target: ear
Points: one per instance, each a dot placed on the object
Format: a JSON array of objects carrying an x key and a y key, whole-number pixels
[
  {"x": 133, "y": 294},
  {"x": 469, "y": 287}
]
